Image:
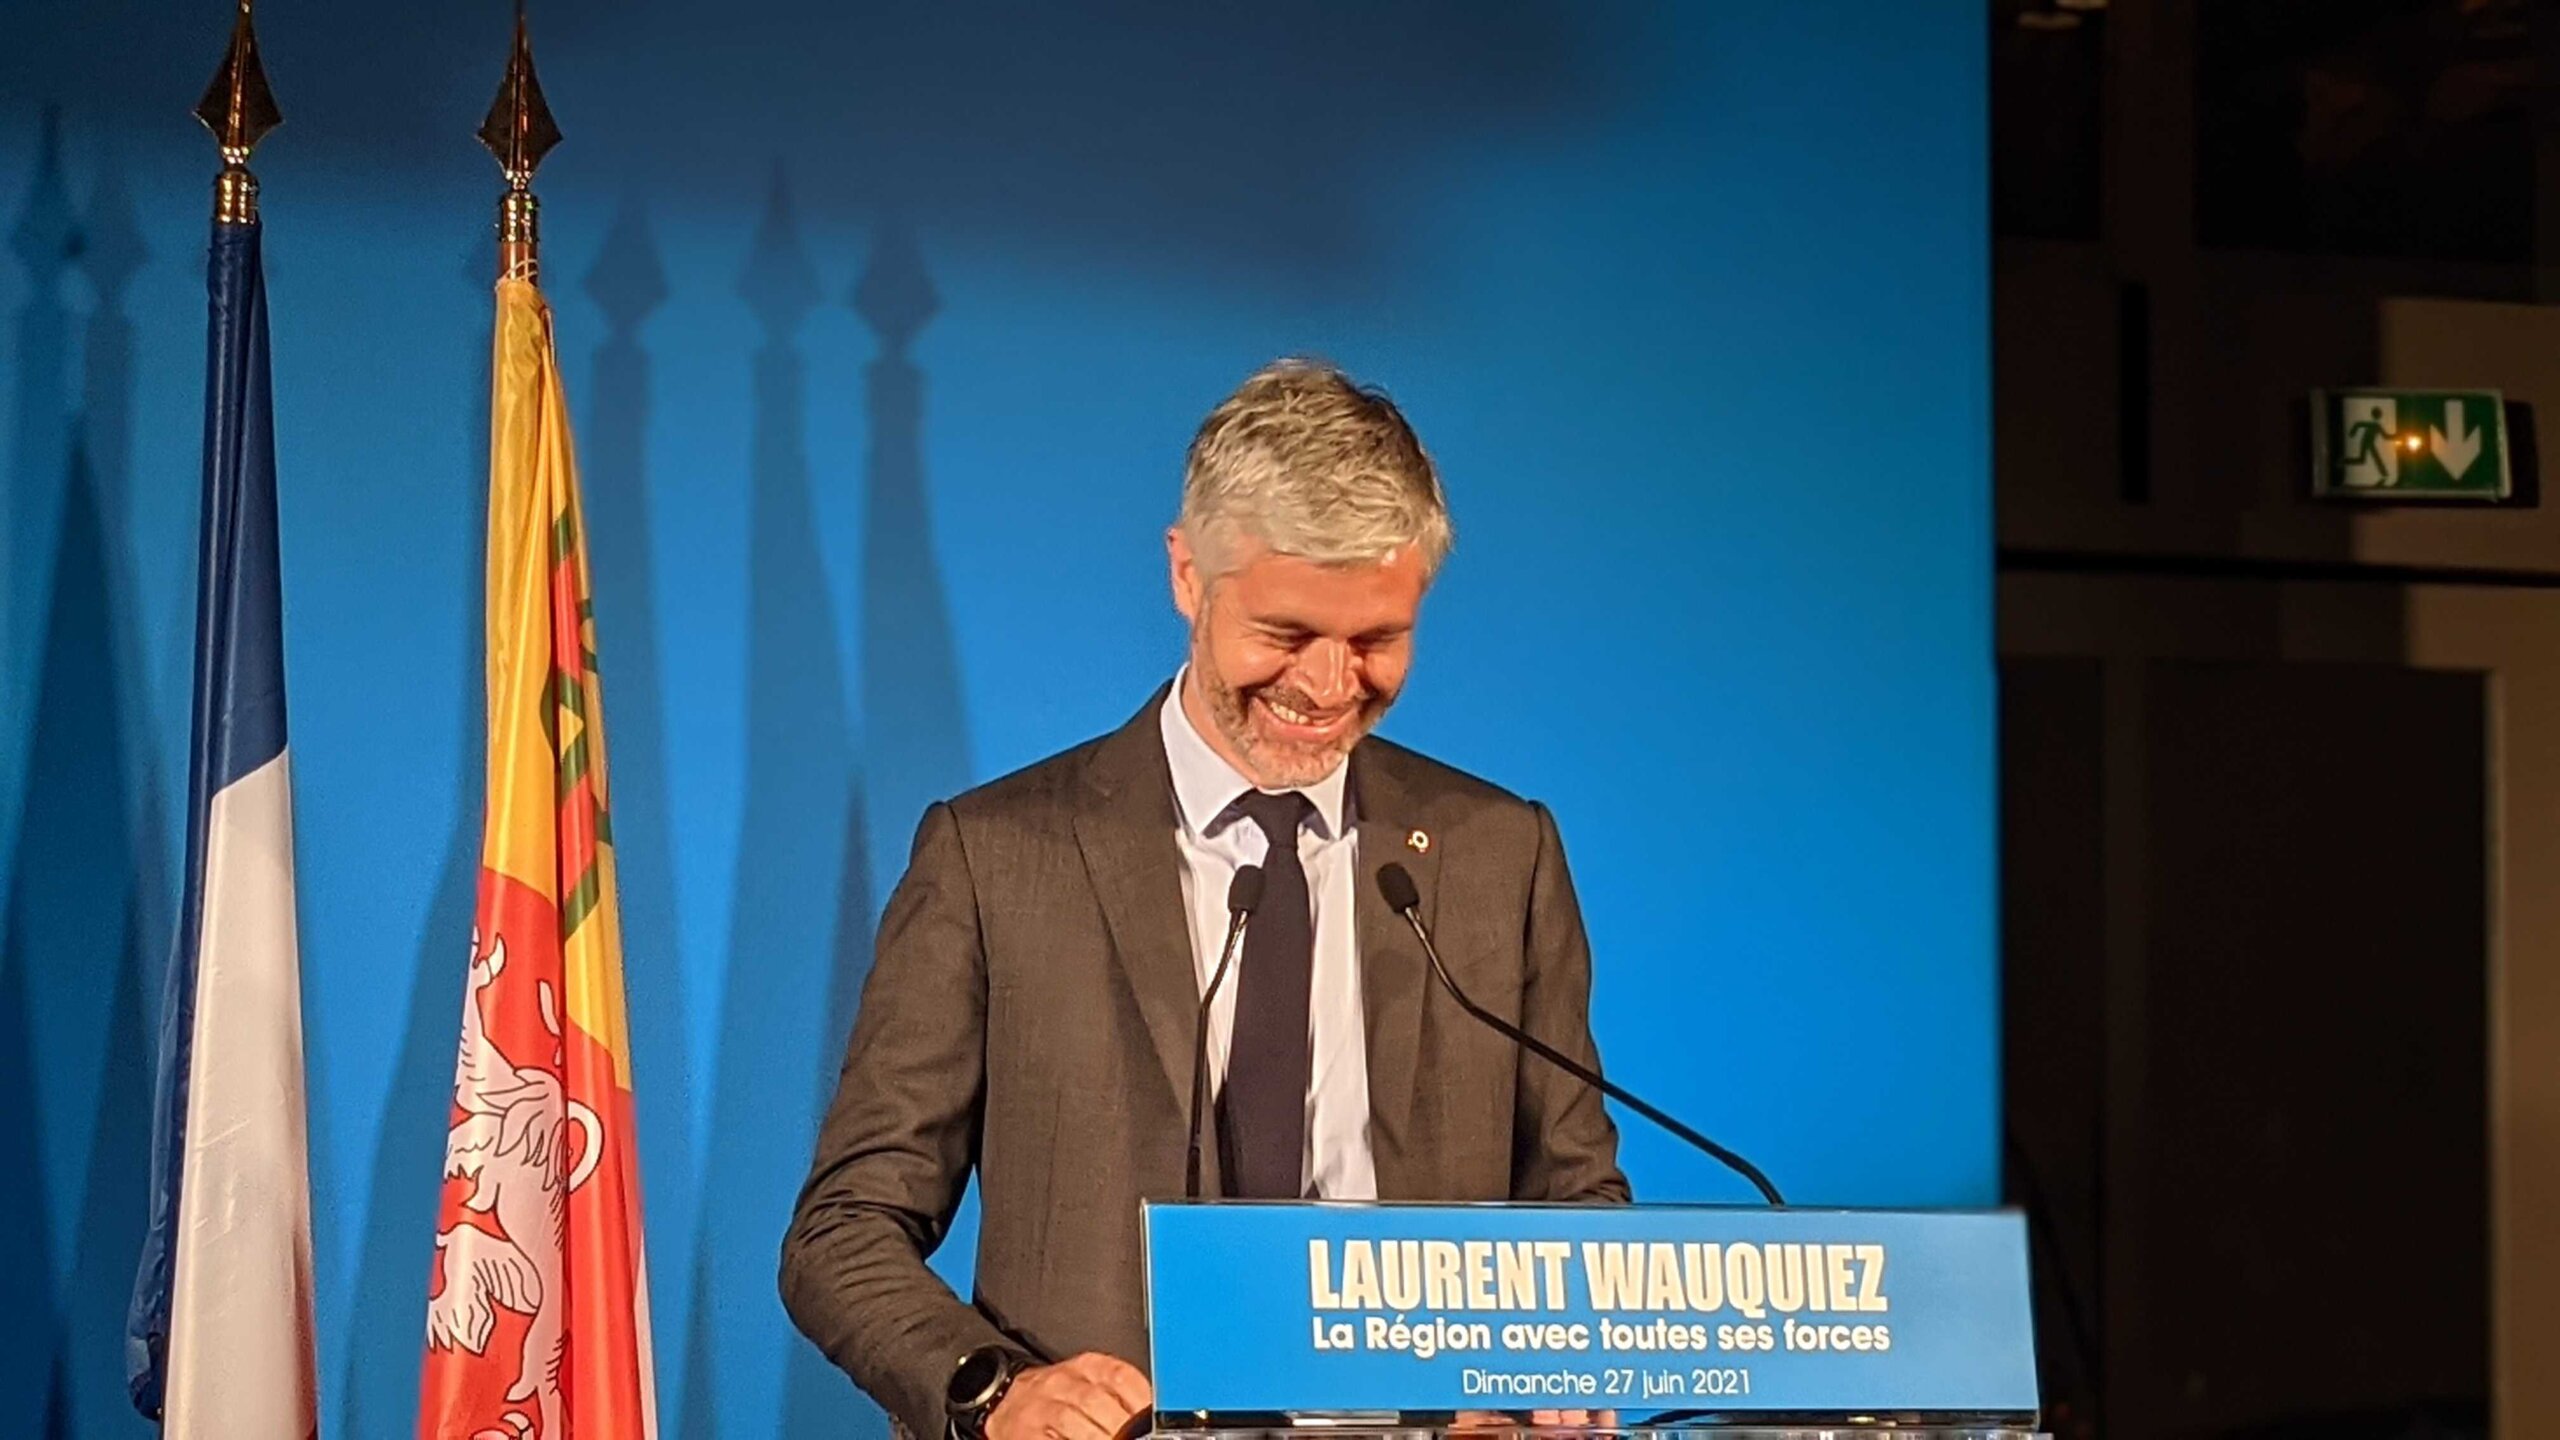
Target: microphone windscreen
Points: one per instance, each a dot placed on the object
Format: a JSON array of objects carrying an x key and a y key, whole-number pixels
[
  {"x": 1245, "y": 891},
  {"x": 1396, "y": 883}
]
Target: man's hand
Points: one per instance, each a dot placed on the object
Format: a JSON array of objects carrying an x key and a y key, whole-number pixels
[{"x": 1090, "y": 1397}]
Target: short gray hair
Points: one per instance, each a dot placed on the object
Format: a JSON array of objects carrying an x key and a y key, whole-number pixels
[{"x": 1312, "y": 464}]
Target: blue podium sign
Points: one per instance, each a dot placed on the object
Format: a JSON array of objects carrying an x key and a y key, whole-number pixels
[{"x": 1346, "y": 1307}]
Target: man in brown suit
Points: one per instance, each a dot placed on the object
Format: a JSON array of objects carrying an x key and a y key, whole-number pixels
[{"x": 1031, "y": 1010}]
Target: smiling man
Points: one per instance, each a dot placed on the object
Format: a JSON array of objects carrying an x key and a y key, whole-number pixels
[{"x": 1031, "y": 1010}]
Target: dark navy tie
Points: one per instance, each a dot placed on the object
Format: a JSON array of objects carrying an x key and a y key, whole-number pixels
[{"x": 1262, "y": 1109}]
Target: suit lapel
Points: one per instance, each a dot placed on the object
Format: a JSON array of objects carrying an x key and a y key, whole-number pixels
[
  {"x": 1393, "y": 978},
  {"x": 1126, "y": 834}
]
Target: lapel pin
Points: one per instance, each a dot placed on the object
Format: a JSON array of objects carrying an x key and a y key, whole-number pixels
[{"x": 1419, "y": 842}]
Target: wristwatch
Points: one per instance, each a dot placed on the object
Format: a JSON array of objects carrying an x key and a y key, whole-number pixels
[{"x": 977, "y": 1386}]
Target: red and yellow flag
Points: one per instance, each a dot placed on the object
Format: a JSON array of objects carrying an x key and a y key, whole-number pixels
[{"x": 538, "y": 1313}]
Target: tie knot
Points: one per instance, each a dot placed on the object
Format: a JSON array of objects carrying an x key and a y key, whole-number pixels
[{"x": 1279, "y": 815}]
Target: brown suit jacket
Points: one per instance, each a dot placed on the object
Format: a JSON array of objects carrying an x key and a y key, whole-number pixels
[{"x": 1030, "y": 1015}]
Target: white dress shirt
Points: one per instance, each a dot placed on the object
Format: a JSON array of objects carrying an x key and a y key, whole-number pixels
[{"x": 1214, "y": 840}]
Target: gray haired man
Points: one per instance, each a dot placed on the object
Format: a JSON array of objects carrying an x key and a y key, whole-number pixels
[{"x": 1031, "y": 1010}]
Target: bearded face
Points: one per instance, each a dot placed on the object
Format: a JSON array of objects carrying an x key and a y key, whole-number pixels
[{"x": 1293, "y": 661}]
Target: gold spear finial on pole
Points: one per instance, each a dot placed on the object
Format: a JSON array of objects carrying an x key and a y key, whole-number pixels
[
  {"x": 519, "y": 131},
  {"x": 239, "y": 109}
]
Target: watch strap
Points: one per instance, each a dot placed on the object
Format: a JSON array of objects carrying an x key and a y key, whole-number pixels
[{"x": 968, "y": 1413}]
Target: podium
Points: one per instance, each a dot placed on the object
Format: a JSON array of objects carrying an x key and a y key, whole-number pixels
[
  {"x": 1356, "y": 1321},
  {"x": 1688, "y": 1431}
]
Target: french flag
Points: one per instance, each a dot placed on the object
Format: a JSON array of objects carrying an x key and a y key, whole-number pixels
[{"x": 219, "y": 1344}]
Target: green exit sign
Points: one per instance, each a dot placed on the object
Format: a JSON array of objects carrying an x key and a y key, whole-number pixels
[{"x": 2409, "y": 445}]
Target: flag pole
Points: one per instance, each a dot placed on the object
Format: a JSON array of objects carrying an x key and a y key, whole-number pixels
[
  {"x": 239, "y": 109},
  {"x": 219, "y": 1336},
  {"x": 549, "y": 1228},
  {"x": 519, "y": 131}
]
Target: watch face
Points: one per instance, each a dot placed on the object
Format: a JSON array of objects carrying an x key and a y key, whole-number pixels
[{"x": 977, "y": 1374}]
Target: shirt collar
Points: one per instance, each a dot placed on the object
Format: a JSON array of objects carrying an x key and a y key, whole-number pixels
[{"x": 1204, "y": 784}]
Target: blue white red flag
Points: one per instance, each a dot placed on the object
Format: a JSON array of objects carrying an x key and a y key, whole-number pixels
[{"x": 219, "y": 1343}]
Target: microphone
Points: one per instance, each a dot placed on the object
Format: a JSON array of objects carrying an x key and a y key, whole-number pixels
[
  {"x": 1405, "y": 898},
  {"x": 1243, "y": 893}
]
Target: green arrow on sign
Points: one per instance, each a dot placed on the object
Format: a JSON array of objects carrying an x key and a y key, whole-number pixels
[
  {"x": 2455, "y": 451},
  {"x": 2387, "y": 445}
]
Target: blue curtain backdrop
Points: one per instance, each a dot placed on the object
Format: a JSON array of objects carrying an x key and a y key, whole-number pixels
[{"x": 885, "y": 332}]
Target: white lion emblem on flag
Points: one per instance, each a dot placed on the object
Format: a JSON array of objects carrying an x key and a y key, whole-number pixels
[{"x": 512, "y": 1144}]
